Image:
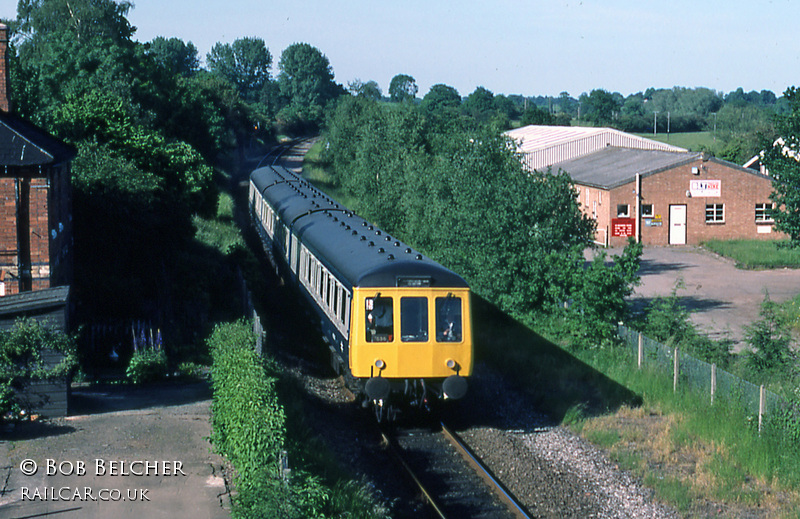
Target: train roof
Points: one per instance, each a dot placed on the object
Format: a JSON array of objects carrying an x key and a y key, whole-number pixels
[{"x": 354, "y": 249}]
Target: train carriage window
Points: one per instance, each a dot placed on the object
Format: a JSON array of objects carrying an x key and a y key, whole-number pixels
[
  {"x": 336, "y": 300},
  {"x": 328, "y": 291},
  {"x": 379, "y": 319},
  {"x": 414, "y": 319},
  {"x": 448, "y": 319}
]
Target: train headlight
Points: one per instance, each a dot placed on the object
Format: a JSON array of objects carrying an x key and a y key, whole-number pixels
[
  {"x": 380, "y": 364},
  {"x": 451, "y": 364}
]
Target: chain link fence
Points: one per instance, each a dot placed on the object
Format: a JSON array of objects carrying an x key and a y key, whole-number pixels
[{"x": 701, "y": 376}]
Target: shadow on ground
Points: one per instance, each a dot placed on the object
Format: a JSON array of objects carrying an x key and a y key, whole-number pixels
[
  {"x": 554, "y": 379},
  {"x": 690, "y": 303},
  {"x": 106, "y": 398},
  {"x": 21, "y": 431}
]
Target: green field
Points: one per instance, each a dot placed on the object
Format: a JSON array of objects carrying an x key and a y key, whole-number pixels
[{"x": 692, "y": 141}]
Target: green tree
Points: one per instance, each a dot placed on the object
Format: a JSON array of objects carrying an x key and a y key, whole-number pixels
[
  {"x": 306, "y": 81},
  {"x": 535, "y": 115},
  {"x": 102, "y": 117},
  {"x": 369, "y": 90},
  {"x": 600, "y": 107},
  {"x": 245, "y": 63},
  {"x": 479, "y": 104},
  {"x": 67, "y": 48},
  {"x": 506, "y": 106},
  {"x": 403, "y": 88},
  {"x": 174, "y": 55},
  {"x": 782, "y": 162},
  {"x": 441, "y": 97}
]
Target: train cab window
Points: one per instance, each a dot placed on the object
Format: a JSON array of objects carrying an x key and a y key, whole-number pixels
[
  {"x": 414, "y": 319},
  {"x": 448, "y": 319},
  {"x": 379, "y": 319}
]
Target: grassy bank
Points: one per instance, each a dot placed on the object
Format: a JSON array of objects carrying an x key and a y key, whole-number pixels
[
  {"x": 314, "y": 171},
  {"x": 757, "y": 254},
  {"x": 693, "y": 453}
]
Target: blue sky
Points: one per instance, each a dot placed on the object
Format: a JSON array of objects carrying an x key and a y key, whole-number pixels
[{"x": 529, "y": 47}]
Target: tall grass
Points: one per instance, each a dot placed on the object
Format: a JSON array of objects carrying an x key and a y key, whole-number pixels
[
  {"x": 756, "y": 254},
  {"x": 768, "y": 455}
]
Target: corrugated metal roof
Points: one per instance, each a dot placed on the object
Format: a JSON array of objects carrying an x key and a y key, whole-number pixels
[
  {"x": 24, "y": 144},
  {"x": 612, "y": 167},
  {"x": 543, "y": 146}
]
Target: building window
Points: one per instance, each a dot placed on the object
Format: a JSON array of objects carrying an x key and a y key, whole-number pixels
[
  {"x": 715, "y": 213},
  {"x": 764, "y": 213},
  {"x": 623, "y": 210},
  {"x": 647, "y": 210}
]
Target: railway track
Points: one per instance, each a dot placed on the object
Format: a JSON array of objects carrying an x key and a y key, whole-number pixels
[{"x": 451, "y": 478}]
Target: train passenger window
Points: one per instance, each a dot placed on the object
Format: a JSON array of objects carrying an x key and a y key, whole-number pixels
[
  {"x": 379, "y": 319},
  {"x": 448, "y": 319},
  {"x": 414, "y": 319},
  {"x": 336, "y": 300}
]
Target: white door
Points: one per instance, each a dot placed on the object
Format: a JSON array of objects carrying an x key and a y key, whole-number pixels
[{"x": 677, "y": 225}]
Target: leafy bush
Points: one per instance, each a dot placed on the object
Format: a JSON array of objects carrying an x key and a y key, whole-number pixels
[
  {"x": 192, "y": 371},
  {"x": 21, "y": 361},
  {"x": 247, "y": 419},
  {"x": 147, "y": 365},
  {"x": 769, "y": 339}
]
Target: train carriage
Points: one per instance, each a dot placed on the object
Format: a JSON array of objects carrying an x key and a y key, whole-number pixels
[{"x": 396, "y": 321}]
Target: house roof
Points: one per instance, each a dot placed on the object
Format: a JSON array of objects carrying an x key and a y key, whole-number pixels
[
  {"x": 33, "y": 300},
  {"x": 543, "y": 146},
  {"x": 612, "y": 167},
  {"x": 25, "y": 144}
]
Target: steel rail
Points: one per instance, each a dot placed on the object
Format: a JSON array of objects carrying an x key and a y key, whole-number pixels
[
  {"x": 394, "y": 450},
  {"x": 515, "y": 507}
]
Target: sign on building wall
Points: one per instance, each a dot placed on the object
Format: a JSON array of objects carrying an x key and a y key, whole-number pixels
[
  {"x": 622, "y": 227},
  {"x": 705, "y": 188}
]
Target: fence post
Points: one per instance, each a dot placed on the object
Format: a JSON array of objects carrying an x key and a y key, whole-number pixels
[
  {"x": 675, "y": 371},
  {"x": 640, "y": 357},
  {"x": 713, "y": 381},
  {"x": 761, "y": 401}
]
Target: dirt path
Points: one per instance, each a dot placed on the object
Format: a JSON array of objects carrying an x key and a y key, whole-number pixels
[{"x": 127, "y": 453}]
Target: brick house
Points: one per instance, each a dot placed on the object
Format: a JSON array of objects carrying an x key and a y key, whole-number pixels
[
  {"x": 35, "y": 199},
  {"x": 35, "y": 233},
  {"x": 670, "y": 198}
]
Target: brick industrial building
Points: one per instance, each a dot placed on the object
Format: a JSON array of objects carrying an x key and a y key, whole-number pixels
[{"x": 655, "y": 193}]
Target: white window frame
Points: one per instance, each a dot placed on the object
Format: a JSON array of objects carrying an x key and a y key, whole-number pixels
[
  {"x": 716, "y": 215},
  {"x": 764, "y": 213},
  {"x": 627, "y": 213},
  {"x": 648, "y": 214}
]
